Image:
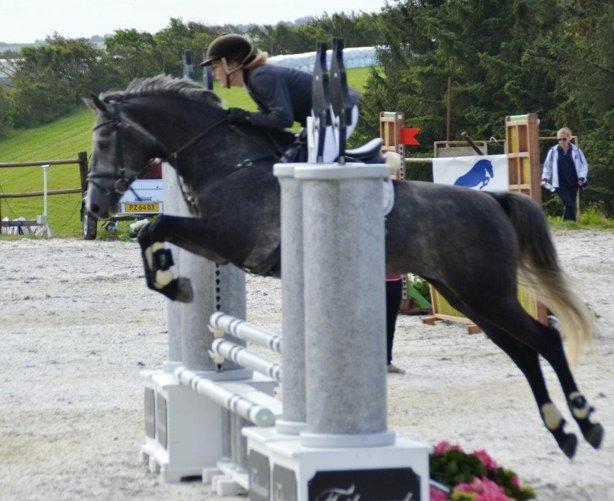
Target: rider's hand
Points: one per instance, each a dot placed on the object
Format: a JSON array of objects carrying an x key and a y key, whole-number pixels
[
  {"x": 582, "y": 182},
  {"x": 237, "y": 116}
]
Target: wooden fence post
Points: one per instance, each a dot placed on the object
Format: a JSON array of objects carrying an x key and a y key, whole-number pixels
[{"x": 82, "y": 156}]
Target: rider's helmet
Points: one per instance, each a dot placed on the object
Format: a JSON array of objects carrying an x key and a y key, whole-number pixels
[{"x": 231, "y": 47}]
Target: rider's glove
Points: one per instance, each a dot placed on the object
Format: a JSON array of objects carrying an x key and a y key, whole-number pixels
[{"x": 237, "y": 116}]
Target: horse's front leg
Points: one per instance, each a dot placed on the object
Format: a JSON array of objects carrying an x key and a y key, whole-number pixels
[
  {"x": 158, "y": 260},
  {"x": 196, "y": 235}
]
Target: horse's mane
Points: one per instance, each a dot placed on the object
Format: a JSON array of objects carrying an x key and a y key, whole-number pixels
[
  {"x": 164, "y": 85},
  {"x": 168, "y": 86}
]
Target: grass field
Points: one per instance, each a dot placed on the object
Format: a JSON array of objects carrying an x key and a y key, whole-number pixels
[{"x": 63, "y": 139}]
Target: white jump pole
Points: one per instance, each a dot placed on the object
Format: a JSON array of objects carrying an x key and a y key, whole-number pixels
[{"x": 45, "y": 218}]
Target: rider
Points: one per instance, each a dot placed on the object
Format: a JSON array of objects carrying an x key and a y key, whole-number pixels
[{"x": 283, "y": 95}]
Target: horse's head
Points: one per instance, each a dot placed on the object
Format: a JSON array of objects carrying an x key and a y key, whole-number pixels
[
  {"x": 122, "y": 150},
  {"x": 163, "y": 117},
  {"x": 152, "y": 118},
  {"x": 485, "y": 166}
]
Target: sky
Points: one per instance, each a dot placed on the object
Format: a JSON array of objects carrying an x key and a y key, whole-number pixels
[{"x": 24, "y": 21}]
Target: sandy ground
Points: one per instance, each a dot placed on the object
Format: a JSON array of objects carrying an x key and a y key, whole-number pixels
[{"x": 77, "y": 325}]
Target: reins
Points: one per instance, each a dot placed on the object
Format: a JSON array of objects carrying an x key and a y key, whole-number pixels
[{"x": 123, "y": 182}]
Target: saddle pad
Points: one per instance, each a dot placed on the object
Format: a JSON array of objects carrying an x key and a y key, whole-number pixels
[{"x": 388, "y": 196}]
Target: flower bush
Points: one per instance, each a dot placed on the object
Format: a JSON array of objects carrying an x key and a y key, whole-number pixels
[{"x": 473, "y": 476}]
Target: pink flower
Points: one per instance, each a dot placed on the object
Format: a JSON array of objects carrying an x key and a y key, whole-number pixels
[
  {"x": 516, "y": 481},
  {"x": 442, "y": 447},
  {"x": 488, "y": 462},
  {"x": 437, "y": 495},
  {"x": 465, "y": 488},
  {"x": 486, "y": 490}
]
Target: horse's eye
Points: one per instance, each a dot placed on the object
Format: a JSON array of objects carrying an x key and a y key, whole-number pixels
[{"x": 103, "y": 145}]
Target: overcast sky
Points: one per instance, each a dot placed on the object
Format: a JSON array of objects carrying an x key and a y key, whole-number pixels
[{"x": 23, "y": 21}]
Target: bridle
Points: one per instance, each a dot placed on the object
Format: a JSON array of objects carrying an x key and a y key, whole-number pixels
[{"x": 122, "y": 181}]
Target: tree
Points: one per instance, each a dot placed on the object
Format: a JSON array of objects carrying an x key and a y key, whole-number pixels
[
  {"x": 177, "y": 36},
  {"x": 134, "y": 54},
  {"x": 50, "y": 79},
  {"x": 490, "y": 51},
  {"x": 5, "y": 120},
  {"x": 585, "y": 91}
]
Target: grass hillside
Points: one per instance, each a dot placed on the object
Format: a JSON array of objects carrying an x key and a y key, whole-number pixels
[{"x": 63, "y": 139}]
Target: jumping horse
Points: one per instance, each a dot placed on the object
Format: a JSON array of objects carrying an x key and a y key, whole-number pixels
[{"x": 472, "y": 246}]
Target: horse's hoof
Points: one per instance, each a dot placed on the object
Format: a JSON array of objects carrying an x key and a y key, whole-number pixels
[
  {"x": 568, "y": 445},
  {"x": 594, "y": 435},
  {"x": 184, "y": 292}
]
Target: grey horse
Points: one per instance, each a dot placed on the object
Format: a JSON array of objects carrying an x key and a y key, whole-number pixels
[{"x": 472, "y": 246}]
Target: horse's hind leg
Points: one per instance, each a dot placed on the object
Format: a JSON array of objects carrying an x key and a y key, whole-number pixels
[
  {"x": 510, "y": 317},
  {"x": 580, "y": 409},
  {"x": 527, "y": 361}
]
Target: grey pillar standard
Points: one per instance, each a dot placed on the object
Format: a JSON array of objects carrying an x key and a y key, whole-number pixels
[
  {"x": 293, "y": 313},
  {"x": 173, "y": 309},
  {"x": 215, "y": 288},
  {"x": 345, "y": 317}
]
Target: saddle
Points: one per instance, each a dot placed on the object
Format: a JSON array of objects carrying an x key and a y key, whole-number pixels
[{"x": 368, "y": 153}]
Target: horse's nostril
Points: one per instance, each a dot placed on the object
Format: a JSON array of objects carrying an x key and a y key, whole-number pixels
[{"x": 94, "y": 209}]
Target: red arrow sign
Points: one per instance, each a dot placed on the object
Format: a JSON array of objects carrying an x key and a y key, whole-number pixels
[{"x": 408, "y": 135}]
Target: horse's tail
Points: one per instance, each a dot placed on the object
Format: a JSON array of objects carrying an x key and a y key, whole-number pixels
[{"x": 540, "y": 270}]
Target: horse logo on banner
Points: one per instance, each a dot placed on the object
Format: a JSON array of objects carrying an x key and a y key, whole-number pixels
[
  {"x": 479, "y": 175},
  {"x": 485, "y": 173}
]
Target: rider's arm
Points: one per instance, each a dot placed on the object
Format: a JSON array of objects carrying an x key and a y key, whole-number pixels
[
  {"x": 273, "y": 99},
  {"x": 582, "y": 168},
  {"x": 547, "y": 172}
]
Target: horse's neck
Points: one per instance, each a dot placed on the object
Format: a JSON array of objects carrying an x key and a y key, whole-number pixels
[
  {"x": 175, "y": 125},
  {"x": 212, "y": 156}
]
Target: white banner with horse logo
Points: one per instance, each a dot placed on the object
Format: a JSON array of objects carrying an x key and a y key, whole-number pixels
[{"x": 486, "y": 172}]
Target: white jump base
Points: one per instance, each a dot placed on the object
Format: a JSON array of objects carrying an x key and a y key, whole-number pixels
[{"x": 210, "y": 412}]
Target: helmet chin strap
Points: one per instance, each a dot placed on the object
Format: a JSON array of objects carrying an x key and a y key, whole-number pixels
[{"x": 228, "y": 72}]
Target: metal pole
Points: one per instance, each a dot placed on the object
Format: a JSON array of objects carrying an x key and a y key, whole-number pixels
[
  {"x": 45, "y": 188},
  {"x": 45, "y": 220},
  {"x": 207, "y": 74},
  {"x": 472, "y": 143},
  {"x": 245, "y": 358},
  {"x": 418, "y": 160},
  {"x": 448, "y": 108},
  {"x": 235, "y": 403},
  {"x": 242, "y": 329},
  {"x": 188, "y": 67}
]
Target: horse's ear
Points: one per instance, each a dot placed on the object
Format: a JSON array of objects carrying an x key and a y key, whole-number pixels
[{"x": 95, "y": 103}]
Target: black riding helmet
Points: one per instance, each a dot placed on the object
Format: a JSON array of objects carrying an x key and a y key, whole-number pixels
[{"x": 231, "y": 47}]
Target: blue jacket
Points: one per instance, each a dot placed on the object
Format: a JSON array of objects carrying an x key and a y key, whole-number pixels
[
  {"x": 550, "y": 164},
  {"x": 283, "y": 95}
]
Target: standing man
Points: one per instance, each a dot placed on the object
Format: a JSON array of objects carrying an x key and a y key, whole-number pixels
[{"x": 566, "y": 165}]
